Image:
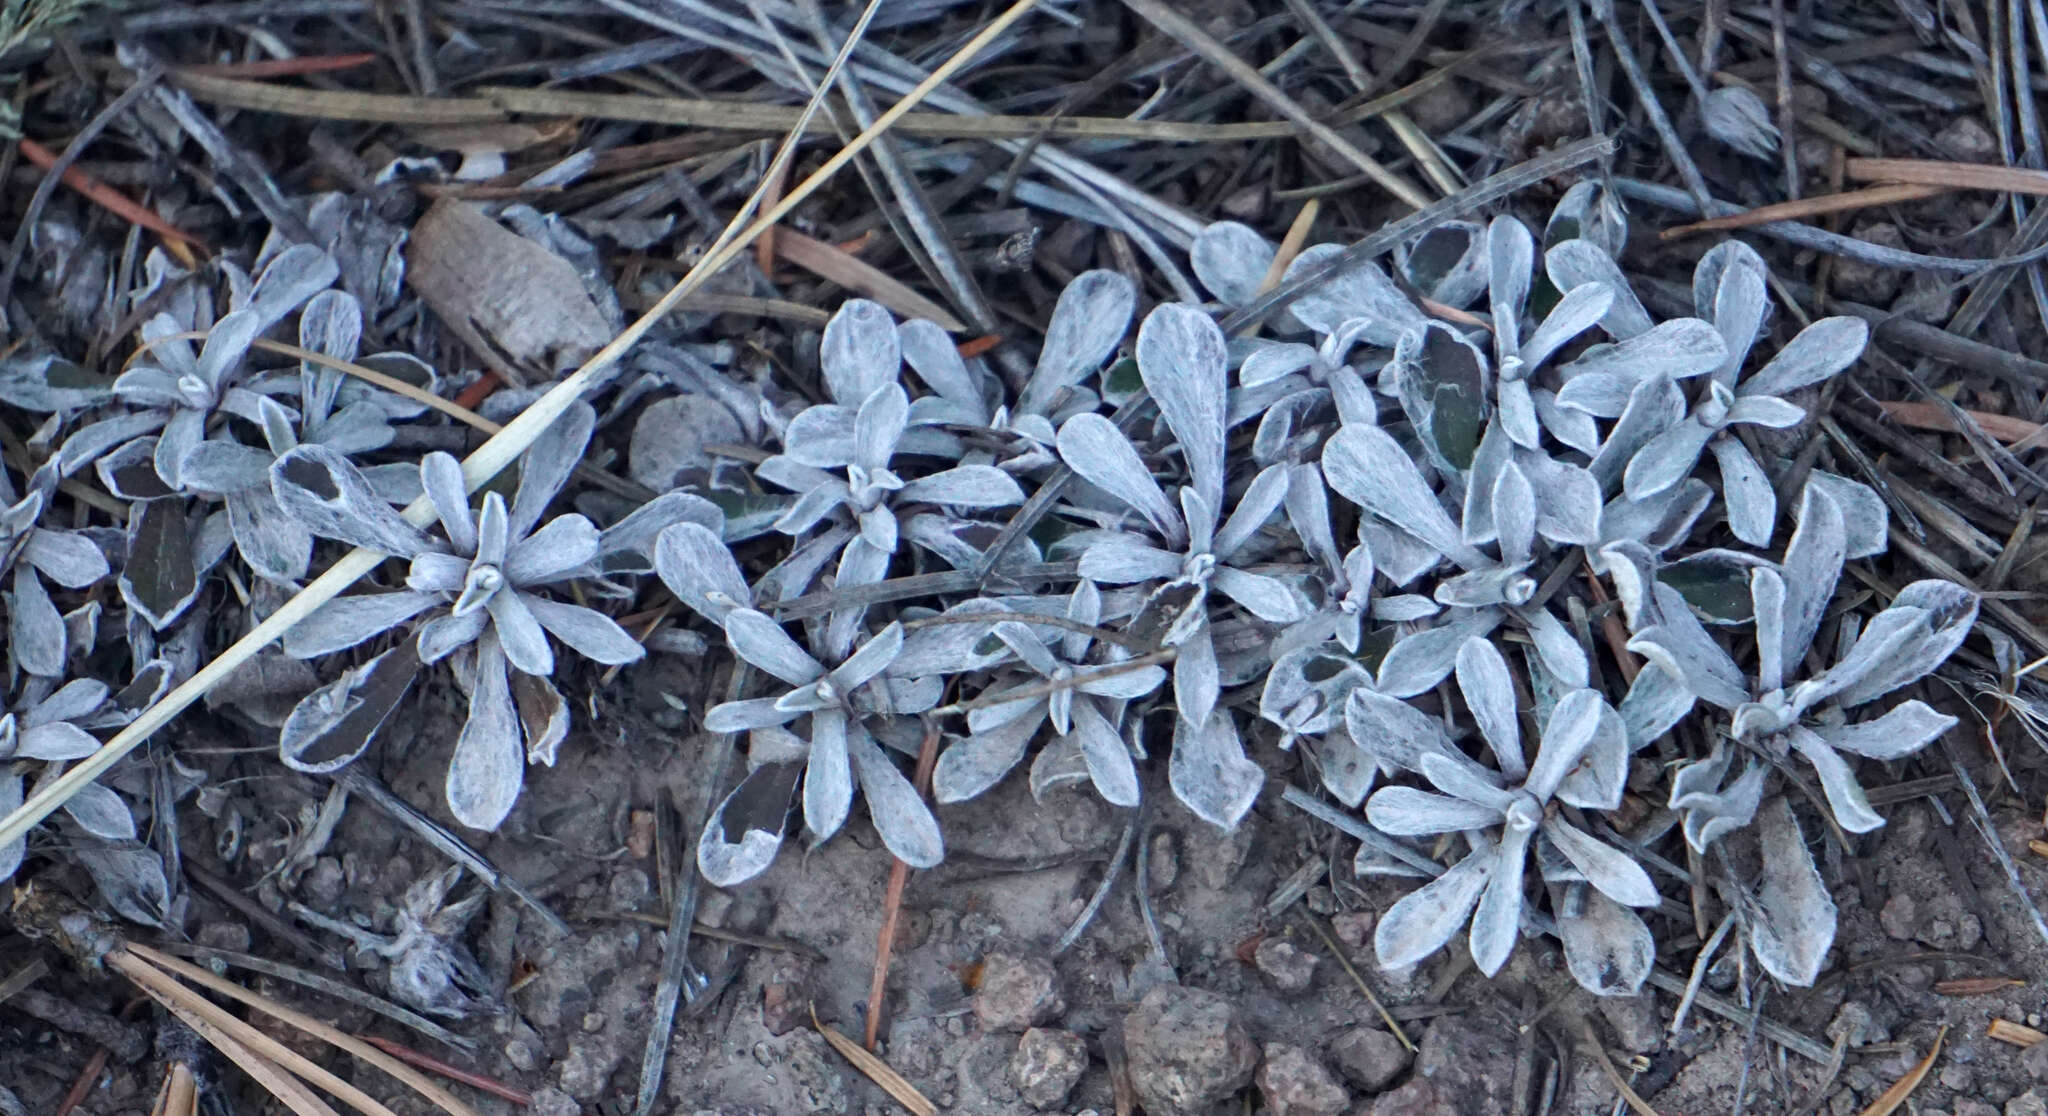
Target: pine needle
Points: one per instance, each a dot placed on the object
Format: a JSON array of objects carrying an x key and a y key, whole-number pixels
[
  {"x": 877, "y": 1071},
  {"x": 418, "y": 1082},
  {"x": 1892, "y": 1098}
]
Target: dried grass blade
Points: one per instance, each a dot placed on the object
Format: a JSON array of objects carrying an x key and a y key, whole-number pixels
[
  {"x": 2018, "y": 1034},
  {"x": 1290, "y": 245},
  {"x": 108, "y": 198},
  {"x": 23, "y": 977},
  {"x": 1952, "y": 176},
  {"x": 1890, "y": 1100},
  {"x": 947, "y": 267},
  {"x": 1928, "y": 416},
  {"x": 892, "y": 904},
  {"x": 728, "y": 115},
  {"x": 1188, "y": 34},
  {"x": 1413, "y": 138},
  {"x": 420, "y": 1083},
  {"x": 171, "y": 993},
  {"x": 327, "y": 987},
  {"x": 1777, "y": 1032},
  {"x": 829, "y": 262},
  {"x": 877, "y": 1071},
  {"x": 684, "y": 112},
  {"x": 184, "y": 1004},
  {"x": 487, "y": 461},
  {"x": 337, "y": 104},
  {"x": 284, "y": 67},
  {"x": 1591, "y": 1041},
  {"x": 1975, "y": 986},
  {"x": 432, "y": 1064},
  {"x": 368, "y": 375},
  {"x": 450, "y": 845},
  {"x": 1808, "y": 207},
  {"x": 1393, "y": 1025},
  {"x": 180, "y": 1096}
]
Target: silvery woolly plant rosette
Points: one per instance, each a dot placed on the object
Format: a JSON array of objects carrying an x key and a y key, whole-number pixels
[
  {"x": 479, "y": 588},
  {"x": 1574, "y": 440},
  {"x": 1414, "y": 494},
  {"x": 1372, "y": 534}
]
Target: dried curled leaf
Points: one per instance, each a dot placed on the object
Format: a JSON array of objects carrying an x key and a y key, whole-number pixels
[{"x": 335, "y": 724}]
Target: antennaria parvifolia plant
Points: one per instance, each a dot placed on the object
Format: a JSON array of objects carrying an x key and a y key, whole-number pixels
[{"x": 1387, "y": 532}]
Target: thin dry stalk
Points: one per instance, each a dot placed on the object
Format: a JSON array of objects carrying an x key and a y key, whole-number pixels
[
  {"x": 499, "y": 104},
  {"x": 1955, "y": 176},
  {"x": 1890, "y": 1100},
  {"x": 383, "y": 380},
  {"x": 892, "y": 903},
  {"x": 418, "y": 1082},
  {"x": 184, "y": 1004},
  {"x": 1591, "y": 1041},
  {"x": 877, "y": 1071},
  {"x": 430, "y": 1063},
  {"x": 847, "y": 270},
  {"x": 180, "y": 1093},
  {"x": 2018, "y": 1034},
  {"x": 1777, "y": 1032},
  {"x": 1805, "y": 208},
  {"x": 324, "y": 986},
  {"x": 1291, "y": 244},
  {"x": 23, "y": 977},
  {"x": 1393, "y": 1025}
]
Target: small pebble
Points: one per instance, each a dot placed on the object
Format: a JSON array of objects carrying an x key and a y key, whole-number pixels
[
  {"x": 1247, "y": 203},
  {"x": 1289, "y": 967},
  {"x": 1968, "y": 141},
  {"x": 1164, "y": 868},
  {"x": 1370, "y": 1058},
  {"x": 786, "y": 992},
  {"x": 1636, "y": 1023},
  {"x": 640, "y": 834},
  {"x": 553, "y": 1102},
  {"x": 912, "y": 929},
  {"x": 1017, "y": 993},
  {"x": 628, "y": 888},
  {"x": 1862, "y": 282},
  {"x": 1354, "y": 929},
  {"x": 231, "y": 936},
  {"x": 1186, "y": 1050},
  {"x": 522, "y": 1055},
  {"x": 1293, "y": 1082},
  {"x": 1047, "y": 1064},
  {"x": 1854, "y": 1023},
  {"x": 2034, "y": 1060},
  {"x": 1900, "y": 918},
  {"x": 1420, "y": 1097}
]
